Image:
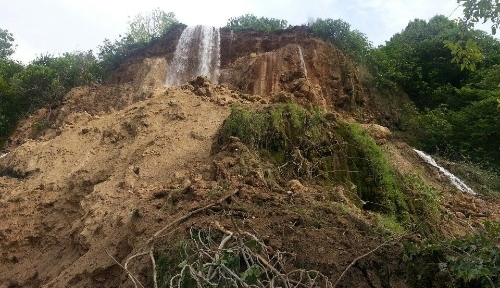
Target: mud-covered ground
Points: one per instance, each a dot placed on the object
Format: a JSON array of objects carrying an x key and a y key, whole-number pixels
[{"x": 91, "y": 181}]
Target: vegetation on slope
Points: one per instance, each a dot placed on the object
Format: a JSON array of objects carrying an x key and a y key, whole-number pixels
[
  {"x": 471, "y": 261},
  {"x": 250, "y": 21},
  {"x": 457, "y": 113},
  {"x": 46, "y": 79},
  {"x": 308, "y": 146}
]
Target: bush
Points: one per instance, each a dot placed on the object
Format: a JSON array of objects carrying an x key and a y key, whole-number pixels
[
  {"x": 375, "y": 179},
  {"x": 472, "y": 261},
  {"x": 305, "y": 144},
  {"x": 339, "y": 33},
  {"x": 249, "y": 21}
]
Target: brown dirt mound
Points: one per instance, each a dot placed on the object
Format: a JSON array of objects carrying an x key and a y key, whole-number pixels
[{"x": 117, "y": 162}]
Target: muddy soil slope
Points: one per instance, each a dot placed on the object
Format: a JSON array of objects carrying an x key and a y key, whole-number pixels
[{"x": 118, "y": 162}]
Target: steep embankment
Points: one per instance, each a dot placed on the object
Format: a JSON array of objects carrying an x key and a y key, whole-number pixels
[{"x": 118, "y": 162}]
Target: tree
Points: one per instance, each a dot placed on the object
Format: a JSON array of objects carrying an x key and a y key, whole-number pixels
[
  {"x": 6, "y": 46},
  {"x": 339, "y": 32},
  {"x": 144, "y": 28},
  {"x": 466, "y": 53},
  {"x": 249, "y": 21},
  {"x": 9, "y": 100},
  {"x": 482, "y": 10},
  {"x": 142, "y": 32}
]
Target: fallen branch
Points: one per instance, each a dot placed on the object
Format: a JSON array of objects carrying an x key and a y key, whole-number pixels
[
  {"x": 158, "y": 235},
  {"x": 134, "y": 280},
  {"x": 152, "y": 257},
  {"x": 190, "y": 214},
  {"x": 363, "y": 256}
]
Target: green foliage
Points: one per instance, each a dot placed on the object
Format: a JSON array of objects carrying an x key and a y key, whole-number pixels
[
  {"x": 423, "y": 202},
  {"x": 304, "y": 144},
  {"x": 10, "y": 104},
  {"x": 249, "y": 21},
  {"x": 43, "y": 82},
  {"x": 467, "y": 54},
  {"x": 38, "y": 85},
  {"x": 148, "y": 27},
  {"x": 472, "y": 261},
  {"x": 8, "y": 68},
  {"x": 279, "y": 130},
  {"x": 451, "y": 90},
  {"x": 48, "y": 78},
  {"x": 375, "y": 179},
  {"x": 417, "y": 61},
  {"x": 143, "y": 31},
  {"x": 339, "y": 33},
  {"x": 9, "y": 109},
  {"x": 469, "y": 133},
  {"x": 6, "y": 46},
  {"x": 73, "y": 69},
  {"x": 482, "y": 10}
]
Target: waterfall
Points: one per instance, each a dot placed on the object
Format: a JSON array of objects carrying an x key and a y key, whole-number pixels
[
  {"x": 454, "y": 179},
  {"x": 3, "y": 155},
  {"x": 197, "y": 53},
  {"x": 302, "y": 62}
]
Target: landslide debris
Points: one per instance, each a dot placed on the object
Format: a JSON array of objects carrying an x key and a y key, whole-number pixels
[{"x": 90, "y": 182}]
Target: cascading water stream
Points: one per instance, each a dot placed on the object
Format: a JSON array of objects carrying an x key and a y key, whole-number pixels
[
  {"x": 454, "y": 179},
  {"x": 302, "y": 62},
  {"x": 197, "y": 53},
  {"x": 3, "y": 155}
]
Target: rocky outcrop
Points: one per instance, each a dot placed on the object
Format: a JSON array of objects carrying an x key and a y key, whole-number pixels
[
  {"x": 290, "y": 61},
  {"x": 254, "y": 62}
]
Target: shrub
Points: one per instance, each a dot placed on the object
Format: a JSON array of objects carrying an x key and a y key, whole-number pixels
[
  {"x": 471, "y": 261},
  {"x": 305, "y": 144},
  {"x": 249, "y": 21},
  {"x": 339, "y": 33}
]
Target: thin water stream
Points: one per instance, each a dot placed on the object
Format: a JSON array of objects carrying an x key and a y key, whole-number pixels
[
  {"x": 302, "y": 62},
  {"x": 455, "y": 181}
]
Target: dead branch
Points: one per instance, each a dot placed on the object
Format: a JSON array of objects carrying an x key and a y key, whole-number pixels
[
  {"x": 134, "y": 280},
  {"x": 153, "y": 262},
  {"x": 363, "y": 256},
  {"x": 158, "y": 235}
]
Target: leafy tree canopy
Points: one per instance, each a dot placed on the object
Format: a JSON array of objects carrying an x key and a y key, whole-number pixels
[
  {"x": 6, "y": 46},
  {"x": 144, "y": 28},
  {"x": 482, "y": 10},
  {"x": 457, "y": 107},
  {"x": 249, "y": 21},
  {"x": 339, "y": 33}
]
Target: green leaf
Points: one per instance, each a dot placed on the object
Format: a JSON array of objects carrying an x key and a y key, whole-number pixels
[
  {"x": 253, "y": 243},
  {"x": 251, "y": 275}
]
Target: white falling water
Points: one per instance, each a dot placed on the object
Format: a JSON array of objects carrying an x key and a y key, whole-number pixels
[
  {"x": 454, "y": 179},
  {"x": 3, "y": 155},
  {"x": 197, "y": 53},
  {"x": 302, "y": 62}
]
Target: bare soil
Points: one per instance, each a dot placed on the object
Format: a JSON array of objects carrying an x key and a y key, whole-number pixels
[{"x": 118, "y": 162}]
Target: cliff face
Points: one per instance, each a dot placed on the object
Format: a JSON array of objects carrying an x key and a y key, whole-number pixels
[
  {"x": 118, "y": 162},
  {"x": 290, "y": 61},
  {"x": 266, "y": 64}
]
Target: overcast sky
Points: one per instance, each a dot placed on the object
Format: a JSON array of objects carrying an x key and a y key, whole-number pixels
[{"x": 57, "y": 26}]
